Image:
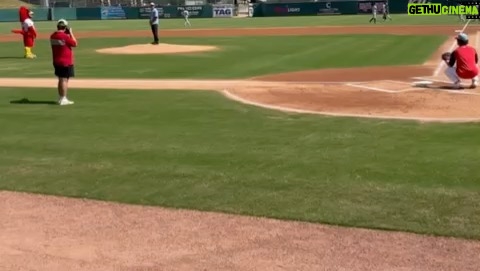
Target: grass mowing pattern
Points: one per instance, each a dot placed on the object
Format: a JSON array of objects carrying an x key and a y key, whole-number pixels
[
  {"x": 239, "y": 57},
  {"x": 196, "y": 150}
]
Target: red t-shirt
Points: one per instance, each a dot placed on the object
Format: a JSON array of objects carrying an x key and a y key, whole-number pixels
[
  {"x": 466, "y": 57},
  {"x": 62, "y": 52}
]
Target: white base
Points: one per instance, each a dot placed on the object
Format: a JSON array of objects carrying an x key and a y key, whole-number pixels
[{"x": 422, "y": 83}]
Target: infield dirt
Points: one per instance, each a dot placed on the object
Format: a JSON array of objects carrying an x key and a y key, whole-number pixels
[
  {"x": 162, "y": 48},
  {"x": 49, "y": 233}
]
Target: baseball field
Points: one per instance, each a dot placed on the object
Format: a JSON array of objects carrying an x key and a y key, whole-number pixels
[{"x": 292, "y": 143}]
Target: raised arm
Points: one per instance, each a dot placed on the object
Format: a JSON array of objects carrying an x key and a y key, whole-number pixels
[{"x": 71, "y": 41}]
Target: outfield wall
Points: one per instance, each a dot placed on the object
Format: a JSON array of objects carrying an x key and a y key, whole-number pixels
[
  {"x": 121, "y": 13},
  {"x": 334, "y": 7},
  {"x": 318, "y": 8}
]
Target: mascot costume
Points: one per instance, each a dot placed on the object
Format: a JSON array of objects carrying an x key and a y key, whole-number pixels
[{"x": 28, "y": 30}]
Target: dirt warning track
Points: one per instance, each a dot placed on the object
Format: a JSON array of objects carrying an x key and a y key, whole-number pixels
[{"x": 58, "y": 234}]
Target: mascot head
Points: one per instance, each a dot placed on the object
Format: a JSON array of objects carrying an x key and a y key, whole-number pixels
[{"x": 24, "y": 13}]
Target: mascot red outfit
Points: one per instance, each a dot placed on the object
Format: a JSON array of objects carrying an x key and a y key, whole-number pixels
[{"x": 28, "y": 30}]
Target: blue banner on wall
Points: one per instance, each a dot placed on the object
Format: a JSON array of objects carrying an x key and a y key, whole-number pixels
[{"x": 112, "y": 13}]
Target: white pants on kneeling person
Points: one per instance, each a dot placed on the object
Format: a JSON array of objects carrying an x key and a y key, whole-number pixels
[{"x": 451, "y": 73}]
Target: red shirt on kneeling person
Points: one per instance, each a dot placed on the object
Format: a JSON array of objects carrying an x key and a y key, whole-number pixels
[{"x": 463, "y": 62}]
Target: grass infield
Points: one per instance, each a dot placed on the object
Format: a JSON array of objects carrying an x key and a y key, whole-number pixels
[{"x": 238, "y": 56}]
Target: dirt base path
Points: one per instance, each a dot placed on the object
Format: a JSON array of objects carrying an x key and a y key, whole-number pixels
[
  {"x": 90, "y": 235},
  {"x": 391, "y": 100}
]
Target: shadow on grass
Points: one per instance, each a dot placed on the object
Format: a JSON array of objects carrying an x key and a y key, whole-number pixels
[{"x": 27, "y": 101}]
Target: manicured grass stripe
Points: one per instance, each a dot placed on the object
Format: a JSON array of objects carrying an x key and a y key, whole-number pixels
[
  {"x": 239, "y": 56},
  {"x": 197, "y": 150}
]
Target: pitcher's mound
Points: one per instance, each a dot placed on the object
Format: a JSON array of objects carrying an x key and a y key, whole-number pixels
[{"x": 162, "y": 48}]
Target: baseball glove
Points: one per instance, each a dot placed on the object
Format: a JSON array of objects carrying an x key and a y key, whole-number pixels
[{"x": 446, "y": 56}]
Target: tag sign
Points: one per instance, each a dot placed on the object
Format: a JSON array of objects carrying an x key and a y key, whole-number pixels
[{"x": 224, "y": 12}]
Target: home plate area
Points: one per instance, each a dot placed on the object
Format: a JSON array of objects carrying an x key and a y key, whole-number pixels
[
  {"x": 441, "y": 83},
  {"x": 388, "y": 86},
  {"x": 430, "y": 83}
]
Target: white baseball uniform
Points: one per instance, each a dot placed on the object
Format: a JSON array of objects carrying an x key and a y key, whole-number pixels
[
  {"x": 461, "y": 16},
  {"x": 385, "y": 12},
  {"x": 374, "y": 14},
  {"x": 185, "y": 17}
]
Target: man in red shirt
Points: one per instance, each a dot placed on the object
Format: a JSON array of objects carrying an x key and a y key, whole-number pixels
[
  {"x": 466, "y": 58},
  {"x": 62, "y": 42}
]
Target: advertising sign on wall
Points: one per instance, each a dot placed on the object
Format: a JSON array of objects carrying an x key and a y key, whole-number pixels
[
  {"x": 144, "y": 13},
  {"x": 176, "y": 12},
  {"x": 286, "y": 9},
  {"x": 223, "y": 11},
  {"x": 112, "y": 13},
  {"x": 193, "y": 11},
  {"x": 327, "y": 9},
  {"x": 366, "y": 6}
]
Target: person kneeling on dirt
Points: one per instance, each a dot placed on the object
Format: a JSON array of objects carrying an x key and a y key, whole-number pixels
[{"x": 466, "y": 58}]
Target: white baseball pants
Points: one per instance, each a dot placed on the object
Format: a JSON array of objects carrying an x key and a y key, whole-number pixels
[{"x": 451, "y": 73}]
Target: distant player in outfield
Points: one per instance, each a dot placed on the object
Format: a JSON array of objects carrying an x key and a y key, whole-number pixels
[
  {"x": 185, "y": 17},
  {"x": 478, "y": 8},
  {"x": 374, "y": 14},
  {"x": 461, "y": 16},
  {"x": 386, "y": 15}
]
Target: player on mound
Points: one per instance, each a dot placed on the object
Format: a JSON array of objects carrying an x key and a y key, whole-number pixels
[{"x": 462, "y": 63}]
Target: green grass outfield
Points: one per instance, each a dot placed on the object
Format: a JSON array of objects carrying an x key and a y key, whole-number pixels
[
  {"x": 237, "y": 57},
  {"x": 398, "y": 19},
  {"x": 198, "y": 150}
]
